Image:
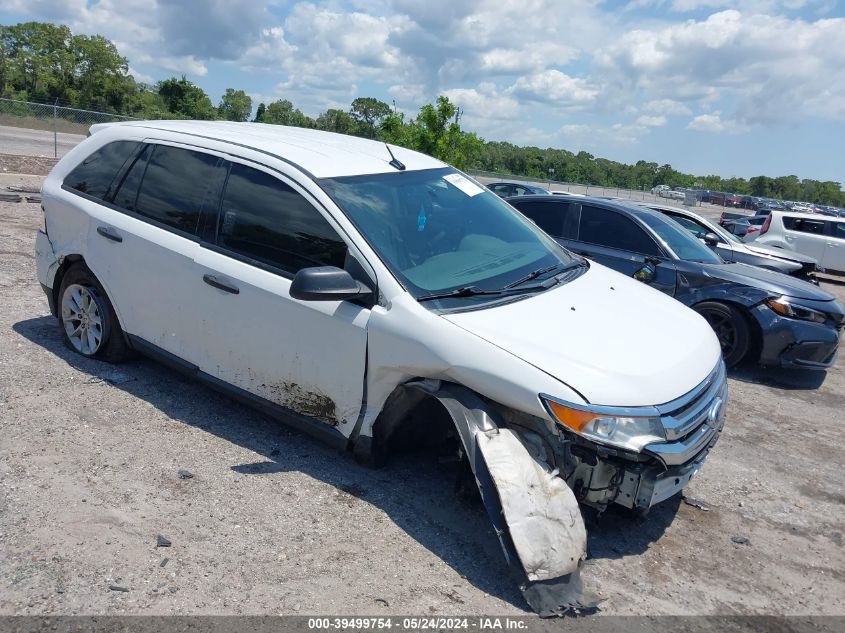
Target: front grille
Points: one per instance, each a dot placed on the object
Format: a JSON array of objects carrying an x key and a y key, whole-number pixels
[
  {"x": 685, "y": 415},
  {"x": 687, "y": 421}
]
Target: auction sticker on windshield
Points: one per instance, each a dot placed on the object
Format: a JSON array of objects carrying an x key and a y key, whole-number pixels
[{"x": 464, "y": 184}]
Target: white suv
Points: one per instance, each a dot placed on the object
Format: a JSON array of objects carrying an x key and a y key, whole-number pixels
[
  {"x": 818, "y": 236},
  {"x": 365, "y": 294}
]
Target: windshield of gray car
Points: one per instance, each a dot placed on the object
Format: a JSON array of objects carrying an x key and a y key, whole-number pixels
[
  {"x": 679, "y": 240},
  {"x": 439, "y": 231}
]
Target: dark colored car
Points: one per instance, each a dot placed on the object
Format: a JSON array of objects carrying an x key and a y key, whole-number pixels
[
  {"x": 755, "y": 313},
  {"x": 743, "y": 226},
  {"x": 732, "y": 249},
  {"x": 507, "y": 189}
]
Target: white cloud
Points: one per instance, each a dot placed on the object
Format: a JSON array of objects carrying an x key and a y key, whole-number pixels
[
  {"x": 652, "y": 121},
  {"x": 554, "y": 86},
  {"x": 713, "y": 122},
  {"x": 668, "y": 107},
  {"x": 775, "y": 69}
]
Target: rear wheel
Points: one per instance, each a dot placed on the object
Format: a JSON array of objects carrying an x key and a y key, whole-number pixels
[
  {"x": 730, "y": 327},
  {"x": 88, "y": 322}
]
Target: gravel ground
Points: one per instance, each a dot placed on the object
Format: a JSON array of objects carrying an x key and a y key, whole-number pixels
[{"x": 271, "y": 522}]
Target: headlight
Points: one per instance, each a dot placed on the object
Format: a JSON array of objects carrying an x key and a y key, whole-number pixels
[
  {"x": 628, "y": 432},
  {"x": 794, "y": 311}
]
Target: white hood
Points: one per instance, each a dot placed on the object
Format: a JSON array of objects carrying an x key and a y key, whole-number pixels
[{"x": 613, "y": 339}]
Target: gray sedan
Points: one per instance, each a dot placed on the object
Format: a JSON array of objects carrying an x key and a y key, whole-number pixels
[{"x": 732, "y": 249}]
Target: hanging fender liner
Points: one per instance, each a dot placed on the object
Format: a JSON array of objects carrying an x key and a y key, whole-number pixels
[{"x": 533, "y": 511}]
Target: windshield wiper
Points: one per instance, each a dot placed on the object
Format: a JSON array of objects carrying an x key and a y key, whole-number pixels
[
  {"x": 542, "y": 271},
  {"x": 466, "y": 291}
]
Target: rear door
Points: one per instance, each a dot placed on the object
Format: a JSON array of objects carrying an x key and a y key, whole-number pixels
[
  {"x": 834, "y": 252},
  {"x": 308, "y": 357},
  {"x": 142, "y": 246},
  {"x": 612, "y": 239},
  {"x": 805, "y": 235}
]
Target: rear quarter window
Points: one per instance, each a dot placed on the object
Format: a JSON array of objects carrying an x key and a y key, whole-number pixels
[{"x": 96, "y": 174}]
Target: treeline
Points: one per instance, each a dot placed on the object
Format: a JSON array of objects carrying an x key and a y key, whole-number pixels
[{"x": 47, "y": 63}]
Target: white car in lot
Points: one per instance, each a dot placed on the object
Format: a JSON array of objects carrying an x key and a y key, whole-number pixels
[
  {"x": 815, "y": 235},
  {"x": 368, "y": 294}
]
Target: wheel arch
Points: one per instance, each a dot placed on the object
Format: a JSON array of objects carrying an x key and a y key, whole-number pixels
[
  {"x": 67, "y": 262},
  {"x": 756, "y": 332}
]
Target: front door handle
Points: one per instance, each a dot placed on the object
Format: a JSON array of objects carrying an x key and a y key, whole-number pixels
[
  {"x": 109, "y": 233},
  {"x": 211, "y": 280}
]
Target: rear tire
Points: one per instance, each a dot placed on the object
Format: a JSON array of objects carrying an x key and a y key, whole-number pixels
[
  {"x": 730, "y": 327},
  {"x": 87, "y": 319}
]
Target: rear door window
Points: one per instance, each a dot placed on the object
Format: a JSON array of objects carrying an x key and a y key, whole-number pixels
[
  {"x": 837, "y": 229},
  {"x": 558, "y": 219},
  {"x": 266, "y": 220},
  {"x": 176, "y": 185},
  {"x": 613, "y": 230},
  {"x": 95, "y": 175}
]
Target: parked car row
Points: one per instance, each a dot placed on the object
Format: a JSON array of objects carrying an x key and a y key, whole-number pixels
[
  {"x": 741, "y": 302},
  {"x": 371, "y": 296}
]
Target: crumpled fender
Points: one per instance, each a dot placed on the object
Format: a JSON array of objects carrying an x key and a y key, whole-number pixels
[{"x": 534, "y": 512}]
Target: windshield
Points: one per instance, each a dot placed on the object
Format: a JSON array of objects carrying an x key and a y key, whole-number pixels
[
  {"x": 437, "y": 231},
  {"x": 679, "y": 240}
]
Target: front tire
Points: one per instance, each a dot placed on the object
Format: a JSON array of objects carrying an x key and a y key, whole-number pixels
[
  {"x": 87, "y": 319},
  {"x": 730, "y": 327}
]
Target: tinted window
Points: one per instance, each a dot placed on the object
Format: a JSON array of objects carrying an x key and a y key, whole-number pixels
[
  {"x": 838, "y": 229},
  {"x": 804, "y": 225},
  {"x": 127, "y": 194},
  {"x": 266, "y": 220},
  {"x": 95, "y": 174},
  {"x": 559, "y": 219},
  {"x": 176, "y": 184},
  {"x": 614, "y": 230}
]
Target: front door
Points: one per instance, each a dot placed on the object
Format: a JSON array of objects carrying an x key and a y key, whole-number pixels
[
  {"x": 834, "y": 252},
  {"x": 308, "y": 357},
  {"x": 619, "y": 243}
]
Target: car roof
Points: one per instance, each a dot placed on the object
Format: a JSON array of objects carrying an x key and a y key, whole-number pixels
[
  {"x": 513, "y": 184},
  {"x": 798, "y": 214},
  {"x": 627, "y": 206},
  {"x": 318, "y": 153}
]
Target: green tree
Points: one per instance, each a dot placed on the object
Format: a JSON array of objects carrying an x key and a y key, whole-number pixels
[
  {"x": 369, "y": 113},
  {"x": 333, "y": 120},
  {"x": 236, "y": 105},
  {"x": 282, "y": 112},
  {"x": 185, "y": 100},
  {"x": 259, "y": 113}
]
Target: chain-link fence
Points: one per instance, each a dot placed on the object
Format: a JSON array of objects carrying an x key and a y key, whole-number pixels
[{"x": 40, "y": 129}]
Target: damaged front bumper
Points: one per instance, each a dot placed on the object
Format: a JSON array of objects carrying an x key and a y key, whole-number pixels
[{"x": 602, "y": 475}]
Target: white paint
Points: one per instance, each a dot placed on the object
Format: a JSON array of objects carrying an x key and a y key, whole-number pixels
[{"x": 627, "y": 346}]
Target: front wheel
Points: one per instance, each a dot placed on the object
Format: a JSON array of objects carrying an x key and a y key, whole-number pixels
[
  {"x": 730, "y": 327},
  {"x": 88, "y": 322}
]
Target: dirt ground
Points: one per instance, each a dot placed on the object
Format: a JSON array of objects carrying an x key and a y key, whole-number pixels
[{"x": 271, "y": 522}]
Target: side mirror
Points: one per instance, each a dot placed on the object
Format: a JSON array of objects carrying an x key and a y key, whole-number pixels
[
  {"x": 326, "y": 283},
  {"x": 711, "y": 239},
  {"x": 646, "y": 274}
]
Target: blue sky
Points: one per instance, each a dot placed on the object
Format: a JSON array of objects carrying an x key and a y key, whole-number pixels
[{"x": 728, "y": 87}]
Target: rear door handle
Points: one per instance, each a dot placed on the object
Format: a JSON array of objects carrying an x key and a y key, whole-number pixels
[
  {"x": 211, "y": 280},
  {"x": 109, "y": 233}
]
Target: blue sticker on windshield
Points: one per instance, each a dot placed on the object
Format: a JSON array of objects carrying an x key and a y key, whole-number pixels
[{"x": 421, "y": 219}]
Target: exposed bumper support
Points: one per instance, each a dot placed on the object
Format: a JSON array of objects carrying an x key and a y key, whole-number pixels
[{"x": 534, "y": 512}]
